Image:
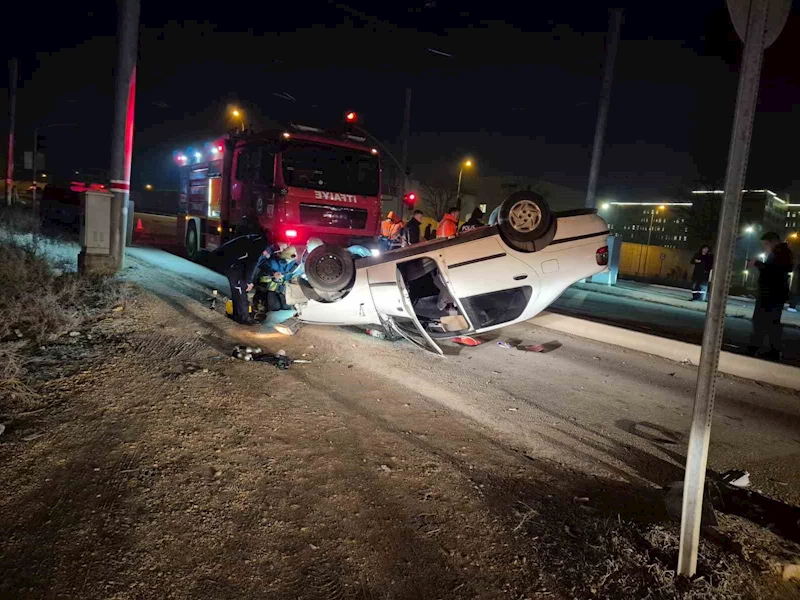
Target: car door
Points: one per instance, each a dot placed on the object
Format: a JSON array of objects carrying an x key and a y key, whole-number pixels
[
  {"x": 491, "y": 284},
  {"x": 393, "y": 304}
]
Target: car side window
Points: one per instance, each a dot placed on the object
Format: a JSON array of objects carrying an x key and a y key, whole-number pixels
[{"x": 494, "y": 308}]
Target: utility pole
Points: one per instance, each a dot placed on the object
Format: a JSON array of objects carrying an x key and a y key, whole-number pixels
[
  {"x": 404, "y": 152},
  {"x": 758, "y": 23},
  {"x": 34, "y": 195},
  {"x": 605, "y": 99},
  {"x": 122, "y": 140},
  {"x": 12, "y": 114}
]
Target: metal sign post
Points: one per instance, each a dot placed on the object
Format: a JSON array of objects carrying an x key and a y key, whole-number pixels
[{"x": 755, "y": 36}]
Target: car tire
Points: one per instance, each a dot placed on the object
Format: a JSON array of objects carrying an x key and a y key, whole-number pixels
[
  {"x": 526, "y": 222},
  {"x": 192, "y": 242},
  {"x": 330, "y": 269}
]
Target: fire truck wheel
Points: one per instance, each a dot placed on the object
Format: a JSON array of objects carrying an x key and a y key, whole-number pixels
[
  {"x": 192, "y": 242},
  {"x": 525, "y": 221},
  {"x": 330, "y": 269}
]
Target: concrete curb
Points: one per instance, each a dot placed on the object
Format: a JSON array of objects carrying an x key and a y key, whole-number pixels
[{"x": 732, "y": 364}]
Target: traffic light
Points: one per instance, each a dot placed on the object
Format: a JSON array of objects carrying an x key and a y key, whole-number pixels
[
  {"x": 351, "y": 117},
  {"x": 410, "y": 199}
]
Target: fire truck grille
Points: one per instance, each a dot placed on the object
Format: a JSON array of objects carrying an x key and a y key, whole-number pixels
[{"x": 343, "y": 217}]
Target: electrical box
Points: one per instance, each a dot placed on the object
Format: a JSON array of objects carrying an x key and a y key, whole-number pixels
[{"x": 96, "y": 224}]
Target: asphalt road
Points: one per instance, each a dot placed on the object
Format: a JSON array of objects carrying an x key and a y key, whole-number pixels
[
  {"x": 590, "y": 406},
  {"x": 666, "y": 321}
]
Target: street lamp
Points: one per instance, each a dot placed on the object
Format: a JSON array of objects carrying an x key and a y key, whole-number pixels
[
  {"x": 748, "y": 230},
  {"x": 148, "y": 187},
  {"x": 466, "y": 164},
  {"x": 238, "y": 114},
  {"x": 653, "y": 213}
]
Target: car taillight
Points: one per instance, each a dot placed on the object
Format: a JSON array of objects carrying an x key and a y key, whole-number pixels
[{"x": 602, "y": 256}]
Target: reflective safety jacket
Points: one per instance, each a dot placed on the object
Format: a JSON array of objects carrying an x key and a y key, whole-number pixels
[{"x": 448, "y": 227}]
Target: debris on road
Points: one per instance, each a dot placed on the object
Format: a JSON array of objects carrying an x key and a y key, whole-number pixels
[
  {"x": 504, "y": 345},
  {"x": 466, "y": 340},
  {"x": 74, "y": 334},
  {"x": 736, "y": 478},
  {"x": 279, "y": 359},
  {"x": 376, "y": 333},
  {"x": 534, "y": 348}
]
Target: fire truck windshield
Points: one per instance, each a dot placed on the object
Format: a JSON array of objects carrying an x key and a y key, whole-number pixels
[{"x": 330, "y": 168}]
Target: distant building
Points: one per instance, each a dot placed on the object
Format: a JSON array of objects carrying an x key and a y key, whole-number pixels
[{"x": 692, "y": 221}]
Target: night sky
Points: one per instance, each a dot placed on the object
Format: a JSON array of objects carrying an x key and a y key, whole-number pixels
[{"x": 519, "y": 92}]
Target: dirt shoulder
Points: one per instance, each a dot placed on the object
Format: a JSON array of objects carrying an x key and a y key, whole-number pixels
[{"x": 161, "y": 468}]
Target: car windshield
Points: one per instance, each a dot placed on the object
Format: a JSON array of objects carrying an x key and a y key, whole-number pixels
[{"x": 330, "y": 168}]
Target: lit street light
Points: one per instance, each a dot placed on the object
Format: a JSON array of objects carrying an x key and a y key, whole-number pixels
[
  {"x": 148, "y": 187},
  {"x": 467, "y": 164},
  {"x": 748, "y": 230},
  {"x": 238, "y": 114},
  {"x": 653, "y": 213}
]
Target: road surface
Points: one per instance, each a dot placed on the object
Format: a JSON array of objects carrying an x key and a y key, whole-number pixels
[{"x": 591, "y": 406}]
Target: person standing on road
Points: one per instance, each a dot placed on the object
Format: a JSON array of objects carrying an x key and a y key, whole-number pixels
[
  {"x": 475, "y": 221},
  {"x": 412, "y": 232},
  {"x": 703, "y": 261},
  {"x": 773, "y": 291},
  {"x": 448, "y": 226},
  {"x": 237, "y": 260}
]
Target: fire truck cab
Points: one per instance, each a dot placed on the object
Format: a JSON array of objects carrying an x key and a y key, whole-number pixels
[{"x": 293, "y": 185}]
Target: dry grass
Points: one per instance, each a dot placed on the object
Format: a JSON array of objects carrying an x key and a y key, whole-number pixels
[{"x": 41, "y": 301}]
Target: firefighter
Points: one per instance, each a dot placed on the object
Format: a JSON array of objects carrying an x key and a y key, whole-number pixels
[
  {"x": 448, "y": 226},
  {"x": 282, "y": 266},
  {"x": 237, "y": 260},
  {"x": 391, "y": 232}
]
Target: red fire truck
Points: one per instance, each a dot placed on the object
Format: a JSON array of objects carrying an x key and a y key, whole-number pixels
[{"x": 293, "y": 184}]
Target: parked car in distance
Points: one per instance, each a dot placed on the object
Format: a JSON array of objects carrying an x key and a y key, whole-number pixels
[{"x": 468, "y": 284}]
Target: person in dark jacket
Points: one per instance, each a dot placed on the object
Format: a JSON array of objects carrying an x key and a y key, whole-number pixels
[
  {"x": 703, "y": 261},
  {"x": 773, "y": 291},
  {"x": 412, "y": 232},
  {"x": 238, "y": 260},
  {"x": 475, "y": 221}
]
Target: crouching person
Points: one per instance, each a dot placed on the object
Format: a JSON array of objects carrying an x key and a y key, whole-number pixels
[{"x": 282, "y": 267}]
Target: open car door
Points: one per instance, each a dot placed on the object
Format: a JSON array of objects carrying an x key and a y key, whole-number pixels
[{"x": 409, "y": 326}]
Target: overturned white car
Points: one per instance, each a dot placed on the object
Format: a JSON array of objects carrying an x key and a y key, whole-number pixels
[{"x": 467, "y": 284}]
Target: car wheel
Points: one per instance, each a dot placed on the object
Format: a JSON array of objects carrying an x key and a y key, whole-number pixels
[
  {"x": 526, "y": 222},
  {"x": 330, "y": 269},
  {"x": 192, "y": 242}
]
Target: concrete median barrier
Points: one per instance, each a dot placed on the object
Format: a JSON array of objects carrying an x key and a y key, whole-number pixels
[{"x": 733, "y": 364}]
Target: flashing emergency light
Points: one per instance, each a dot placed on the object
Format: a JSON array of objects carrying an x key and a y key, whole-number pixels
[
  {"x": 286, "y": 135},
  {"x": 219, "y": 147},
  {"x": 198, "y": 155},
  {"x": 291, "y": 233},
  {"x": 374, "y": 150},
  {"x": 351, "y": 117},
  {"x": 214, "y": 150}
]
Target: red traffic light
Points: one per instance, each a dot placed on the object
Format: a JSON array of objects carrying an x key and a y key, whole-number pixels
[
  {"x": 351, "y": 117},
  {"x": 410, "y": 198}
]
